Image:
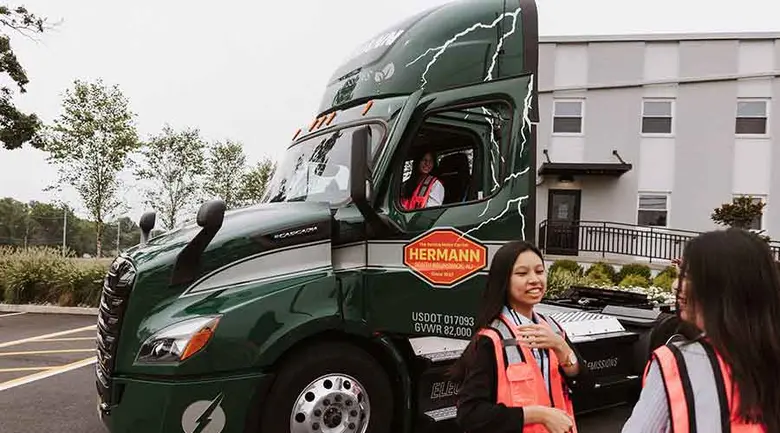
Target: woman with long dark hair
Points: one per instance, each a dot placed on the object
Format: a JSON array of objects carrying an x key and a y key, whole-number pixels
[
  {"x": 725, "y": 378},
  {"x": 516, "y": 372},
  {"x": 423, "y": 189}
]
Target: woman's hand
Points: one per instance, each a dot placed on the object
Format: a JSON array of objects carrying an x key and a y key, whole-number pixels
[
  {"x": 541, "y": 337},
  {"x": 554, "y": 420}
]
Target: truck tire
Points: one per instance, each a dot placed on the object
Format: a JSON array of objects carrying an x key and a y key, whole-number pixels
[{"x": 334, "y": 387}]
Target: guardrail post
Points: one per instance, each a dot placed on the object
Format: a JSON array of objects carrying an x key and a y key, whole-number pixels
[{"x": 652, "y": 243}]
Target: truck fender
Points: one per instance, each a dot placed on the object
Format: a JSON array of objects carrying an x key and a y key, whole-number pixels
[{"x": 402, "y": 370}]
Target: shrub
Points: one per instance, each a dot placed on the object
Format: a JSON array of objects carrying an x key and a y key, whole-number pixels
[
  {"x": 635, "y": 269},
  {"x": 664, "y": 280},
  {"x": 44, "y": 276},
  {"x": 634, "y": 280},
  {"x": 598, "y": 278},
  {"x": 671, "y": 271},
  {"x": 604, "y": 269},
  {"x": 569, "y": 265},
  {"x": 559, "y": 280}
]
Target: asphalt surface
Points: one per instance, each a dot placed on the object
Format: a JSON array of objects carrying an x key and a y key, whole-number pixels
[{"x": 47, "y": 381}]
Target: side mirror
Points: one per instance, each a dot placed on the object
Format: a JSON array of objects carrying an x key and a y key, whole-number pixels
[
  {"x": 211, "y": 215},
  {"x": 146, "y": 223}
]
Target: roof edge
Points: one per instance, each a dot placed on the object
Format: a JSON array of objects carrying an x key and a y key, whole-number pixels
[{"x": 648, "y": 37}]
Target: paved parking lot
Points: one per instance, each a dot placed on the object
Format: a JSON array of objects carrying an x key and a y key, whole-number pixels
[{"x": 47, "y": 379}]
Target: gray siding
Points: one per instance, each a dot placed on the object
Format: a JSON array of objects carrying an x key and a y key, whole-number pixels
[
  {"x": 704, "y": 153},
  {"x": 706, "y": 58},
  {"x": 612, "y": 123},
  {"x": 546, "y": 79},
  {"x": 605, "y": 68},
  {"x": 773, "y": 208}
]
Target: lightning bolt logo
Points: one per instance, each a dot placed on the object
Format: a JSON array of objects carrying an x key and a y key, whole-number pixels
[{"x": 206, "y": 417}]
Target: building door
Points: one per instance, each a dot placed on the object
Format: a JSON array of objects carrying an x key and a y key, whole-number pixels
[{"x": 563, "y": 217}]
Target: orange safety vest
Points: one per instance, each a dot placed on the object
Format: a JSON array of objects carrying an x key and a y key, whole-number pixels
[
  {"x": 420, "y": 196},
  {"x": 521, "y": 383},
  {"x": 680, "y": 394}
]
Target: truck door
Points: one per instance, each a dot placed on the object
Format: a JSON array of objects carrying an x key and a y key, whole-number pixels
[{"x": 427, "y": 280}]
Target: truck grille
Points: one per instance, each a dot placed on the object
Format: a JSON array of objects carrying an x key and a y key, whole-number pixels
[{"x": 113, "y": 302}]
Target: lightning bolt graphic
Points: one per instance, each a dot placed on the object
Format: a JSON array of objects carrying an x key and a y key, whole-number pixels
[
  {"x": 438, "y": 51},
  {"x": 519, "y": 200},
  {"x": 500, "y": 45},
  {"x": 489, "y": 77},
  {"x": 205, "y": 418},
  {"x": 442, "y": 48}
]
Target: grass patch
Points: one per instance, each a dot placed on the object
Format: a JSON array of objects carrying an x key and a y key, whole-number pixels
[{"x": 44, "y": 276}]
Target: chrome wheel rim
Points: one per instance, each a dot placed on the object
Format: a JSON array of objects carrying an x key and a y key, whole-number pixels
[{"x": 334, "y": 403}]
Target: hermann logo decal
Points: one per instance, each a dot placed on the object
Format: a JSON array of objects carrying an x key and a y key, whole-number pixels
[
  {"x": 445, "y": 257},
  {"x": 204, "y": 416}
]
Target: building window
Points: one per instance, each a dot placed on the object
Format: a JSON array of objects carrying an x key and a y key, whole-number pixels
[
  {"x": 657, "y": 117},
  {"x": 751, "y": 117},
  {"x": 567, "y": 117},
  {"x": 653, "y": 210}
]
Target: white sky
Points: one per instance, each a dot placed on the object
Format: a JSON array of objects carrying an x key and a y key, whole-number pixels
[{"x": 254, "y": 71}]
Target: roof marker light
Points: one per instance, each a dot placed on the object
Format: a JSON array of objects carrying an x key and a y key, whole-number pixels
[
  {"x": 368, "y": 107},
  {"x": 297, "y": 133},
  {"x": 331, "y": 116}
]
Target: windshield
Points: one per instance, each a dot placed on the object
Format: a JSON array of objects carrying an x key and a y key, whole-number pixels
[{"x": 318, "y": 169}]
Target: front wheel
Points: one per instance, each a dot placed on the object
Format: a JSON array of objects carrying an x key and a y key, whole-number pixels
[{"x": 330, "y": 388}]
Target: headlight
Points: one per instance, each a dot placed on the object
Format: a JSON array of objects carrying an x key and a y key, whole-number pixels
[{"x": 179, "y": 341}]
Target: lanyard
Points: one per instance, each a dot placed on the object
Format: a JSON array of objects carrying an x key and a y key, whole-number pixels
[{"x": 540, "y": 355}]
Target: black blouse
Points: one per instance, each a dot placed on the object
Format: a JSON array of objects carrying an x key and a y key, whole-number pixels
[{"x": 478, "y": 411}]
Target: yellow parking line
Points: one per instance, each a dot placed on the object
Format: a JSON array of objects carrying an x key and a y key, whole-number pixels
[
  {"x": 43, "y": 352},
  {"x": 13, "y": 370},
  {"x": 45, "y": 336},
  {"x": 44, "y": 374}
]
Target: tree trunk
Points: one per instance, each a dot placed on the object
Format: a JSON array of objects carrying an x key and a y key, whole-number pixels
[{"x": 99, "y": 240}]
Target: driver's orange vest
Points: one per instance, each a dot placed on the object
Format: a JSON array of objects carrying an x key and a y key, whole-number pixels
[
  {"x": 521, "y": 383},
  {"x": 681, "y": 396},
  {"x": 420, "y": 196}
]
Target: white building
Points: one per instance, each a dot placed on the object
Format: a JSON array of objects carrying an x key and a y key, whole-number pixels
[{"x": 658, "y": 130}]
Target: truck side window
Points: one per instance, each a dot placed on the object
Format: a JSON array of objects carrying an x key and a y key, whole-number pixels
[{"x": 469, "y": 148}]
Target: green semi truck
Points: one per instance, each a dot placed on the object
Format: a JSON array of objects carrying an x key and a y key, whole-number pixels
[{"x": 329, "y": 307}]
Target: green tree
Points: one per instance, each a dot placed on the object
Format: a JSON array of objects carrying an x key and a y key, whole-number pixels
[
  {"x": 226, "y": 167},
  {"x": 122, "y": 233},
  {"x": 14, "y": 219},
  {"x": 91, "y": 143},
  {"x": 173, "y": 161},
  {"x": 740, "y": 213},
  {"x": 17, "y": 128},
  {"x": 255, "y": 181}
]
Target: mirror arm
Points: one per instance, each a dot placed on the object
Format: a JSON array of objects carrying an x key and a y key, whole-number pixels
[
  {"x": 210, "y": 218},
  {"x": 359, "y": 176}
]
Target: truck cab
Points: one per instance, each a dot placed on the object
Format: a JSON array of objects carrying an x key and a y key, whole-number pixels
[{"x": 331, "y": 306}]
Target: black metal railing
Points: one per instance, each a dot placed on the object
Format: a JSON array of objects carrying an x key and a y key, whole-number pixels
[
  {"x": 113, "y": 302},
  {"x": 605, "y": 237}
]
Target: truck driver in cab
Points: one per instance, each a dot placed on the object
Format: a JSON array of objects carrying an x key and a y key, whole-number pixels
[{"x": 423, "y": 189}]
